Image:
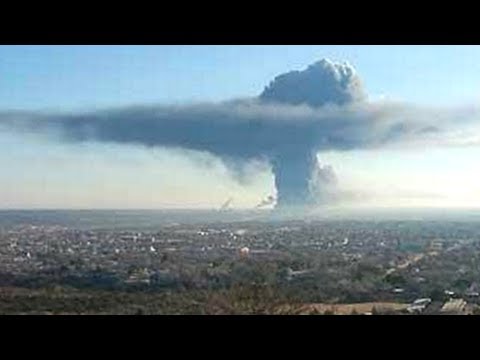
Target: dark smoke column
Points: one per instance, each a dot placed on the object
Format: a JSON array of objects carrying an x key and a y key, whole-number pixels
[
  {"x": 320, "y": 84},
  {"x": 292, "y": 178}
]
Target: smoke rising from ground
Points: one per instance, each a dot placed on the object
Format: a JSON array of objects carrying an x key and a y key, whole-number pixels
[
  {"x": 269, "y": 200},
  {"x": 298, "y": 115},
  {"x": 323, "y": 183},
  {"x": 226, "y": 205},
  {"x": 321, "y": 84}
]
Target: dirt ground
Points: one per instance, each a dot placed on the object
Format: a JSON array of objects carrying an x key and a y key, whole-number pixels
[{"x": 344, "y": 309}]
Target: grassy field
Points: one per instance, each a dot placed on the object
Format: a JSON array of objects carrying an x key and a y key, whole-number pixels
[{"x": 343, "y": 309}]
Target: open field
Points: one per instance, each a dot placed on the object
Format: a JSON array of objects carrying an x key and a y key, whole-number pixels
[{"x": 343, "y": 309}]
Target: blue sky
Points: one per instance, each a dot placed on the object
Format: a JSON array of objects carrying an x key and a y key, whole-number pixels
[
  {"x": 40, "y": 173},
  {"x": 72, "y": 77}
]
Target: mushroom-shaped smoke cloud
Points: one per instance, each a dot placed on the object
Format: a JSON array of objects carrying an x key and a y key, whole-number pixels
[
  {"x": 299, "y": 114},
  {"x": 323, "y": 83}
]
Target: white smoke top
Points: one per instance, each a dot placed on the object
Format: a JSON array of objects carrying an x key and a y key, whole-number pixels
[{"x": 324, "y": 82}]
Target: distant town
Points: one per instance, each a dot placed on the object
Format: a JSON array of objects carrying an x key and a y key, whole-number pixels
[{"x": 250, "y": 267}]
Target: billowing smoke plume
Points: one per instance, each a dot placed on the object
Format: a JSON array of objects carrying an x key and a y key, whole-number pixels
[
  {"x": 320, "y": 84},
  {"x": 323, "y": 83},
  {"x": 299, "y": 114},
  {"x": 323, "y": 183},
  {"x": 269, "y": 200}
]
